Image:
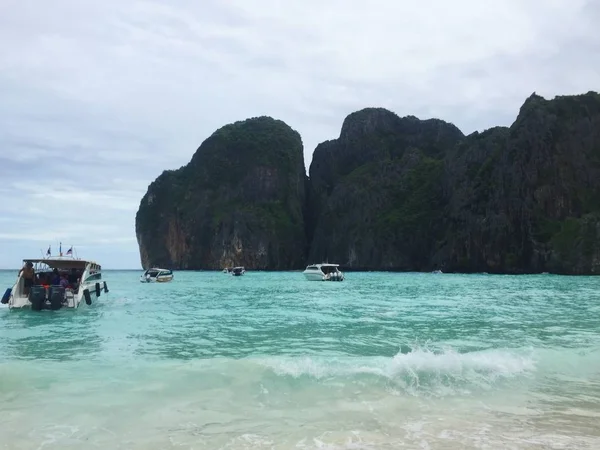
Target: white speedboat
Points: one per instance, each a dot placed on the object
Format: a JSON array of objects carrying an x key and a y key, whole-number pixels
[
  {"x": 57, "y": 282},
  {"x": 238, "y": 271},
  {"x": 323, "y": 272},
  {"x": 156, "y": 275}
]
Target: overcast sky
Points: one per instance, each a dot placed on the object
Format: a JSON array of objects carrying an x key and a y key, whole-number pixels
[{"x": 98, "y": 97}]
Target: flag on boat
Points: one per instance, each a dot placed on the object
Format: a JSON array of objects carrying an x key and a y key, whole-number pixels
[
  {"x": 48, "y": 253},
  {"x": 70, "y": 251}
]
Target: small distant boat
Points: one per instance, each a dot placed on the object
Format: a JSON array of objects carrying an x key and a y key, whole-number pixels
[
  {"x": 227, "y": 270},
  {"x": 157, "y": 275},
  {"x": 58, "y": 282},
  {"x": 323, "y": 272},
  {"x": 238, "y": 271},
  {"x": 437, "y": 272}
]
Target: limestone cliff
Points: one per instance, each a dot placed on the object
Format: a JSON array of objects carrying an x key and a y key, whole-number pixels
[
  {"x": 404, "y": 194},
  {"x": 391, "y": 193},
  {"x": 377, "y": 191},
  {"x": 239, "y": 201},
  {"x": 527, "y": 198}
]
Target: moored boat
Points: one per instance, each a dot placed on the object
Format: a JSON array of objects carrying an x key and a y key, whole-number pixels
[
  {"x": 54, "y": 283},
  {"x": 323, "y": 272},
  {"x": 157, "y": 275},
  {"x": 238, "y": 271}
]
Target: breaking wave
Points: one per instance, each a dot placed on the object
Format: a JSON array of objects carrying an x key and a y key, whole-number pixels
[{"x": 416, "y": 372}]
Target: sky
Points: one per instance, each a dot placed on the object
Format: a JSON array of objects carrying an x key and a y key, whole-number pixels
[{"x": 97, "y": 98}]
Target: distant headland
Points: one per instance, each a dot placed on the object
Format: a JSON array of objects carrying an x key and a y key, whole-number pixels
[{"x": 390, "y": 193}]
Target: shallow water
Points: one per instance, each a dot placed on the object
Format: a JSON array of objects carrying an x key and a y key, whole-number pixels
[{"x": 269, "y": 360}]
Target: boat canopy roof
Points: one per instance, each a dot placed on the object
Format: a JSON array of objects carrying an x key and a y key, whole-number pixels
[
  {"x": 157, "y": 269},
  {"x": 62, "y": 263}
]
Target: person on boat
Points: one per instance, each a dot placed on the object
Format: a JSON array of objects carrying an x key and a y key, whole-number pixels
[
  {"x": 28, "y": 276},
  {"x": 64, "y": 282},
  {"x": 55, "y": 277},
  {"x": 73, "y": 277}
]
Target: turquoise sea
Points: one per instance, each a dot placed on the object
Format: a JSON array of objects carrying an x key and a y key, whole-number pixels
[{"x": 271, "y": 361}]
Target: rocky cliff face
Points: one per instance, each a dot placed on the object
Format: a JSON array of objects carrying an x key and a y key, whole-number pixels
[
  {"x": 240, "y": 201},
  {"x": 527, "y": 198},
  {"x": 404, "y": 194},
  {"x": 377, "y": 191},
  {"x": 390, "y": 193}
]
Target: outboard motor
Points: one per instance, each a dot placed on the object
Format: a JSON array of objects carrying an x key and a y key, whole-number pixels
[
  {"x": 57, "y": 297},
  {"x": 37, "y": 297}
]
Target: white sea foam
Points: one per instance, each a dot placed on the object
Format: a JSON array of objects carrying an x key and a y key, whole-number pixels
[{"x": 418, "y": 371}]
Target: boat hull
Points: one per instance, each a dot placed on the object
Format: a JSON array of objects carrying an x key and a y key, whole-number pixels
[
  {"x": 165, "y": 279},
  {"x": 87, "y": 293},
  {"x": 313, "y": 276}
]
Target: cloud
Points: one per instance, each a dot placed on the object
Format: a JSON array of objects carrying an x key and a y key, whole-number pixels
[{"x": 99, "y": 97}]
